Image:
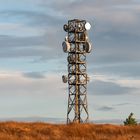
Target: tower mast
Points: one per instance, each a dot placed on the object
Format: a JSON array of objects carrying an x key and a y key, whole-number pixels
[{"x": 76, "y": 44}]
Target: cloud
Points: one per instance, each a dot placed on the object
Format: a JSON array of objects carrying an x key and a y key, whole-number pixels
[
  {"x": 92, "y": 8},
  {"x": 23, "y": 96},
  {"x": 13, "y": 46},
  {"x": 34, "y": 75},
  {"x": 33, "y": 37},
  {"x": 121, "y": 104},
  {"x": 106, "y": 85},
  {"x": 106, "y": 108},
  {"x": 44, "y": 19},
  {"x": 110, "y": 35},
  {"x": 14, "y": 41},
  {"x": 98, "y": 87},
  {"x": 114, "y": 33},
  {"x": 33, "y": 46},
  {"x": 20, "y": 29},
  {"x": 129, "y": 69},
  {"x": 116, "y": 79},
  {"x": 17, "y": 83}
]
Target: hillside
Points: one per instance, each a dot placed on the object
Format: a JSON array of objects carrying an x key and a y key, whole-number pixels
[{"x": 44, "y": 131}]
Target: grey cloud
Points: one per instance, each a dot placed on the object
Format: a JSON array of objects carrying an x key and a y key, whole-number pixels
[
  {"x": 115, "y": 47},
  {"x": 15, "y": 41},
  {"x": 122, "y": 69},
  {"x": 92, "y": 8},
  {"x": 13, "y": 47},
  {"x": 43, "y": 46},
  {"x": 105, "y": 108},
  {"x": 108, "y": 88},
  {"x": 122, "y": 104},
  {"x": 115, "y": 37},
  {"x": 34, "y": 46},
  {"x": 34, "y": 75},
  {"x": 62, "y": 5},
  {"x": 34, "y": 18},
  {"x": 117, "y": 34},
  {"x": 16, "y": 85}
]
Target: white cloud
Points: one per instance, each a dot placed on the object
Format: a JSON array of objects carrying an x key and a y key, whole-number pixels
[
  {"x": 122, "y": 81},
  {"x": 15, "y": 83},
  {"x": 17, "y": 29}
]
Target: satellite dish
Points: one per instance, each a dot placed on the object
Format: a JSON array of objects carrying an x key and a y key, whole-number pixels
[
  {"x": 66, "y": 46},
  {"x": 87, "y": 47},
  {"x": 65, "y": 27},
  {"x": 87, "y": 26},
  {"x": 64, "y": 79}
]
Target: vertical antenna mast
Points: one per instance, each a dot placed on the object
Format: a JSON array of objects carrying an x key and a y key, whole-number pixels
[{"x": 76, "y": 44}]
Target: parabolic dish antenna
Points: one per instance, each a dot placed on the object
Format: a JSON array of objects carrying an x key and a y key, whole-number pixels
[
  {"x": 65, "y": 27},
  {"x": 87, "y": 47},
  {"x": 87, "y": 26},
  {"x": 64, "y": 79},
  {"x": 66, "y": 46}
]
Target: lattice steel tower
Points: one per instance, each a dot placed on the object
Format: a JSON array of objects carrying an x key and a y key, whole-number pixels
[{"x": 76, "y": 44}]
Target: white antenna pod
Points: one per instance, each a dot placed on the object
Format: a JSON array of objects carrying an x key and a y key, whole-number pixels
[
  {"x": 66, "y": 46},
  {"x": 64, "y": 79},
  {"x": 87, "y": 47},
  {"x": 87, "y": 26}
]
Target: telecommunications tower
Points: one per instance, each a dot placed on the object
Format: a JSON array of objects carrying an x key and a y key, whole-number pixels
[{"x": 76, "y": 44}]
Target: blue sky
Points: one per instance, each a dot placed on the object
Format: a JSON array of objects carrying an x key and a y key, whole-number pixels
[{"x": 32, "y": 60}]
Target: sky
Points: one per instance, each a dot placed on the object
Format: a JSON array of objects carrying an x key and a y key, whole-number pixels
[{"x": 32, "y": 60}]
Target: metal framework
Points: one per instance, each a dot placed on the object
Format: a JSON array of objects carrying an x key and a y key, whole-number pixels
[{"x": 77, "y": 46}]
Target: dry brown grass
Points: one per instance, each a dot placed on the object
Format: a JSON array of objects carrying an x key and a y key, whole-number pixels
[{"x": 44, "y": 131}]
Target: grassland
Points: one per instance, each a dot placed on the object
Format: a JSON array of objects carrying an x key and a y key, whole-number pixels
[{"x": 44, "y": 131}]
